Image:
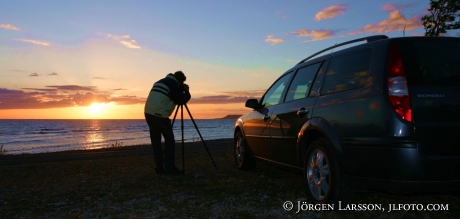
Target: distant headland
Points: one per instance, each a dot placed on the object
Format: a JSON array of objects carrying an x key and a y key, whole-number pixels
[{"x": 231, "y": 117}]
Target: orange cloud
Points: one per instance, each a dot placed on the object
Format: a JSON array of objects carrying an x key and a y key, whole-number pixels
[
  {"x": 396, "y": 22},
  {"x": 274, "y": 41},
  {"x": 330, "y": 12},
  {"x": 9, "y": 27},
  {"x": 315, "y": 34}
]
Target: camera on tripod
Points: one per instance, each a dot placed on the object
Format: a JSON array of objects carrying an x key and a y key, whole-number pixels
[{"x": 184, "y": 87}]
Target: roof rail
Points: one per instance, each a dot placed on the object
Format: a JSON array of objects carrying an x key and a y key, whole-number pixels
[{"x": 368, "y": 39}]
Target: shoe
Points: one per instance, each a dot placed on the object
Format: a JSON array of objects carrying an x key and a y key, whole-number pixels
[{"x": 174, "y": 172}]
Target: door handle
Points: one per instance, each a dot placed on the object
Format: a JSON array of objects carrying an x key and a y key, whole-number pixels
[{"x": 302, "y": 112}]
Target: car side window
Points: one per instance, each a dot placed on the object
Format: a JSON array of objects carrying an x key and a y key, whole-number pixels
[
  {"x": 273, "y": 95},
  {"x": 347, "y": 71},
  {"x": 301, "y": 84}
]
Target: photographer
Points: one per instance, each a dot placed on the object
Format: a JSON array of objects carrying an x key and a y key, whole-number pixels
[{"x": 163, "y": 98}]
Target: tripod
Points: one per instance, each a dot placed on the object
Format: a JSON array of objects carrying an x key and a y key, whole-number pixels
[{"x": 181, "y": 106}]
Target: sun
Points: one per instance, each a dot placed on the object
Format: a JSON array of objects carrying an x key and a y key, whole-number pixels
[{"x": 97, "y": 108}]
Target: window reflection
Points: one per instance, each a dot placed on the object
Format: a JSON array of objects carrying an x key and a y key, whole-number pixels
[
  {"x": 302, "y": 82},
  {"x": 273, "y": 95},
  {"x": 348, "y": 71}
]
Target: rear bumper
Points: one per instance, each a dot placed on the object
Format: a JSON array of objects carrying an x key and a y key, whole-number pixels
[{"x": 400, "y": 167}]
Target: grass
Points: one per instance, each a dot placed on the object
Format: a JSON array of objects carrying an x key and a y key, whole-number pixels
[
  {"x": 3, "y": 151},
  {"x": 128, "y": 188},
  {"x": 115, "y": 145}
]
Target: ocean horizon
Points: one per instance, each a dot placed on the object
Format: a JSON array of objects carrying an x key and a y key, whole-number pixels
[{"x": 32, "y": 136}]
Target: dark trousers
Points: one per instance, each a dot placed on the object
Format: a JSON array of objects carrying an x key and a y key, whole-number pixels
[{"x": 162, "y": 126}]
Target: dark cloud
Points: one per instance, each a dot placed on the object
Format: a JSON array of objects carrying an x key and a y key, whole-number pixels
[
  {"x": 58, "y": 96},
  {"x": 73, "y": 88},
  {"x": 229, "y": 97},
  {"x": 52, "y": 74},
  {"x": 18, "y": 99},
  {"x": 34, "y": 75},
  {"x": 220, "y": 99}
]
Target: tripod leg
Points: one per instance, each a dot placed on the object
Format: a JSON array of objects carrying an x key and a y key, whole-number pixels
[
  {"x": 182, "y": 127},
  {"x": 175, "y": 114},
  {"x": 196, "y": 127},
  {"x": 174, "y": 119}
]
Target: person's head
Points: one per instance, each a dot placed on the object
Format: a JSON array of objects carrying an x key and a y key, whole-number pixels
[{"x": 180, "y": 77}]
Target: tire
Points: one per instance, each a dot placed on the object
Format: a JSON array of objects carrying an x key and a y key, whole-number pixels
[
  {"x": 322, "y": 174},
  {"x": 243, "y": 156}
]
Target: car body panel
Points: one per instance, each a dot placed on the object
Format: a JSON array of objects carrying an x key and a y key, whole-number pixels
[{"x": 372, "y": 143}]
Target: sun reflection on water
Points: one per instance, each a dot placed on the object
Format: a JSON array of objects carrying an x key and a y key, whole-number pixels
[{"x": 94, "y": 138}]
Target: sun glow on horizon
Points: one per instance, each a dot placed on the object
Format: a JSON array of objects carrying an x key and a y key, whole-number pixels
[{"x": 99, "y": 109}]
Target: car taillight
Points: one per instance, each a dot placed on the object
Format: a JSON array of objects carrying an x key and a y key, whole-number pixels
[{"x": 398, "y": 91}]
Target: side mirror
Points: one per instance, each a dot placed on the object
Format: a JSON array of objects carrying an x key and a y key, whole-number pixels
[{"x": 252, "y": 103}]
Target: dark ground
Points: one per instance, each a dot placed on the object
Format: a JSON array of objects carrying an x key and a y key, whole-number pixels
[{"x": 120, "y": 183}]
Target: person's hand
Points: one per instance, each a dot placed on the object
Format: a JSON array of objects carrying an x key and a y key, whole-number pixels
[{"x": 186, "y": 88}]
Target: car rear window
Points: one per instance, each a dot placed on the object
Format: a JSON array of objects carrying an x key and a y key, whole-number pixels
[{"x": 432, "y": 62}]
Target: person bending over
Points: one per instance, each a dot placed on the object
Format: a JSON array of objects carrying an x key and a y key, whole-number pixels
[{"x": 163, "y": 98}]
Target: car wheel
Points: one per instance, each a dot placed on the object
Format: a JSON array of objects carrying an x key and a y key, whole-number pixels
[
  {"x": 243, "y": 158},
  {"x": 325, "y": 184}
]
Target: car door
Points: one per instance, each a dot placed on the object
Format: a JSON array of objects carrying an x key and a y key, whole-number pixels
[
  {"x": 288, "y": 118},
  {"x": 257, "y": 129}
]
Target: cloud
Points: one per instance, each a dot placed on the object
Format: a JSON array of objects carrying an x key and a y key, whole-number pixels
[
  {"x": 228, "y": 97},
  {"x": 396, "y": 22},
  {"x": 72, "y": 88},
  {"x": 315, "y": 34},
  {"x": 330, "y": 12},
  {"x": 58, "y": 96},
  {"x": 34, "y": 75},
  {"x": 115, "y": 37},
  {"x": 53, "y": 74},
  {"x": 37, "y": 42},
  {"x": 389, "y": 7},
  {"x": 274, "y": 41},
  {"x": 281, "y": 14},
  {"x": 98, "y": 78},
  {"x": 130, "y": 44},
  {"x": 9, "y": 27},
  {"x": 124, "y": 39},
  {"x": 392, "y": 7}
]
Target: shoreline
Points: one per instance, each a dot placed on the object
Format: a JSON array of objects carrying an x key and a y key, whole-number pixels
[{"x": 109, "y": 152}]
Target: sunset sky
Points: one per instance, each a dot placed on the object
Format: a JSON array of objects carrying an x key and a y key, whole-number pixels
[{"x": 99, "y": 59}]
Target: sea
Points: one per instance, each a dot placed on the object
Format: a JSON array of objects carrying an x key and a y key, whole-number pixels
[{"x": 43, "y": 136}]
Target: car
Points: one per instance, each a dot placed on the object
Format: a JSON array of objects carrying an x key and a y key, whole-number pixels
[{"x": 380, "y": 114}]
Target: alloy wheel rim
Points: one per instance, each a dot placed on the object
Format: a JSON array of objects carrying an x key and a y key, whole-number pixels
[
  {"x": 239, "y": 150},
  {"x": 318, "y": 175}
]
